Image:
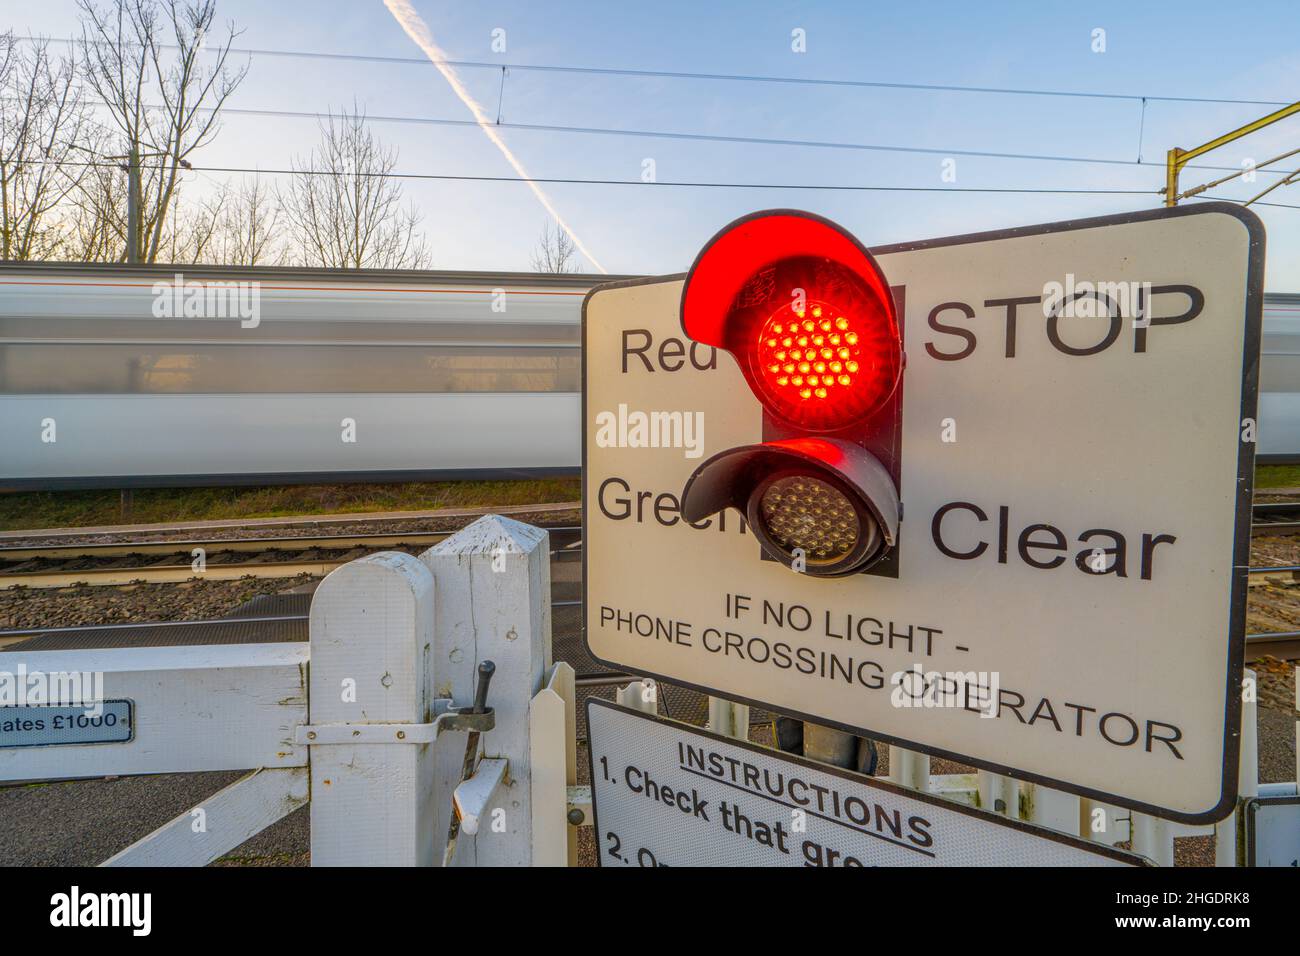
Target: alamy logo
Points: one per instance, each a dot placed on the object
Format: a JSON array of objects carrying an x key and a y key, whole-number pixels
[
  {"x": 24, "y": 688},
  {"x": 1085, "y": 299},
  {"x": 974, "y": 691},
  {"x": 208, "y": 300},
  {"x": 634, "y": 429},
  {"x": 75, "y": 908}
]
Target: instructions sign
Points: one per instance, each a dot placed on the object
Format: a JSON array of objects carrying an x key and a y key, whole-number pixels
[
  {"x": 1076, "y": 478},
  {"x": 107, "y": 722},
  {"x": 1273, "y": 831},
  {"x": 668, "y": 794}
]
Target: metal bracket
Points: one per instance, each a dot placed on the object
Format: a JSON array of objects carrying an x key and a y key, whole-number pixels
[{"x": 446, "y": 719}]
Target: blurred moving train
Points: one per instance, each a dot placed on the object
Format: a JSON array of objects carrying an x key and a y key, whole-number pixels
[
  {"x": 108, "y": 378},
  {"x": 357, "y": 376}
]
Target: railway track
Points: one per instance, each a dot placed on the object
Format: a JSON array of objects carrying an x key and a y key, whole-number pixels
[
  {"x": 122, "y": 563},
  {"x": 226, "y": 559},
  {"x": 1272, "y": 519},
  {"x": 174, "y": 561},
  {"x": 289, "y": 556},
  {"x": 1281, "y": 574}
]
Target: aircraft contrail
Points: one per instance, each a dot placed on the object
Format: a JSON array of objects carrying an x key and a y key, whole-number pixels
[{"x": 419, "y": 32}]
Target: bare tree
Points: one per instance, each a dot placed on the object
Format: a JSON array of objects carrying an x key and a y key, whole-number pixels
[
  {"x": 196, "y": 229},
  {"x": 136, "y": 52},
  {"x": 42, "y": 118},
  {"x": 344, "y": 205},
  {"x": 193, "y": 231},
  {"x": 95, "y": 224},
  {"x": 555, "y": 252},
  {"x": 248, "y": 233}
]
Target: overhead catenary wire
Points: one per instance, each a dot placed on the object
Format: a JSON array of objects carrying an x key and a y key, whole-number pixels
[
  {"x": 727, "y": 77},
  {"x": 1255, "y": 199},
  {"x": 718, "y": 138},
  {"x": 1142, "y": 98},
  {"x": 570, "y": 180},
  {"x": 723, "y": 138},
  {"x": 1195, "y": 190},
  {"x": 1246, "y": 202},
  {"x": 748, "y": 140}
]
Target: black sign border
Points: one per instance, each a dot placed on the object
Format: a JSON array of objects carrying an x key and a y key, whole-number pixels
[
  {"x": 1253, "y": 318},
  {"x": 861, "y": 780}
]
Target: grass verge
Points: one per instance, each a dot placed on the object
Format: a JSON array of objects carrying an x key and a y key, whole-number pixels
[
  {"x": 78, "y": 509},
  {"x": 1277, "y": 476}
]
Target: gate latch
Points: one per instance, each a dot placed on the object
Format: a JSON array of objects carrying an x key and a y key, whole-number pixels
[{"x": 446, "y": 718}]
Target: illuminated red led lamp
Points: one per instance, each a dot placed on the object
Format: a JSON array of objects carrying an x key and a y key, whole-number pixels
[
  {"x": 805, "y": 311},
  {"x": 808, "y": 315}
]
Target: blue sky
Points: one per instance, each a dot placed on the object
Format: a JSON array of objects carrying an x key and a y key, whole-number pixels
[{"x": 1190, "y": 49}]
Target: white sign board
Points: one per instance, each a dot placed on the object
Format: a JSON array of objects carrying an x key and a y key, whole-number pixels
[
  {"x": 1076, "y": 526},
  {"x": 668, "y": 794},
  {"x": 1273, "y": 831}
]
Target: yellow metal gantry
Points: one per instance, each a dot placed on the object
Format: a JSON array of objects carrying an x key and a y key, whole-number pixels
[{"x": 1178, "y": 158}]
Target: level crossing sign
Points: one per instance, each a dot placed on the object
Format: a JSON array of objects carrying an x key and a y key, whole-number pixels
[{"x": 987, "y": 497}]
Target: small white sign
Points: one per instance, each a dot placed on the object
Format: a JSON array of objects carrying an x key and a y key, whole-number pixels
[
  {"x": 1273, "y": 831},
  {"x": 108, "y": 722},
  {"x": 668, "y": 794}
]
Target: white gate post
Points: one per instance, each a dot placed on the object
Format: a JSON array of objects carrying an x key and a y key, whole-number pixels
[
  {"x": 728, "y": 718},
  {"x": 553, "y": 731},
  {"x": 1104, "y": 823},
  {"x": 909, "y": 769},
  {"x": 642, "y": 695},
  {"x": 371, "y": 635},
  {"x": 994, "y": 788},
  {"x": 1050, "y": 808},
  {"x": 1153, "y": 838},
  {"x": 493, "y": 583}
]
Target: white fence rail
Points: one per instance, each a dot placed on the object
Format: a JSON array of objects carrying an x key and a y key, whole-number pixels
[{"x": 209, "y": 707}]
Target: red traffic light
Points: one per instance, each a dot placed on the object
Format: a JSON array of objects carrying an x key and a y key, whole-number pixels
[
  {"x": 807, "y": 314},
  {"x": 805, "y": 311}
]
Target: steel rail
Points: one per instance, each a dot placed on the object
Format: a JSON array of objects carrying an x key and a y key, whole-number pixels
[
  {"x": 1260, "y": 576},
  {"x": 302, "y": 542},
  {"x": 53, "y": 577},
  {"x": 1267, "y": 529},
  {"x": 78, "y": 628},
  {"x": 293, "y": 521},
  {"x": 1268, "y": 509},
  {"x": 216, "y": 545},
  {"x": 166, "y": 574}
]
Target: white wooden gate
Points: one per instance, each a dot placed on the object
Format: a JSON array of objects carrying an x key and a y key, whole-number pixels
[{"x": 360, "y": 722}]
